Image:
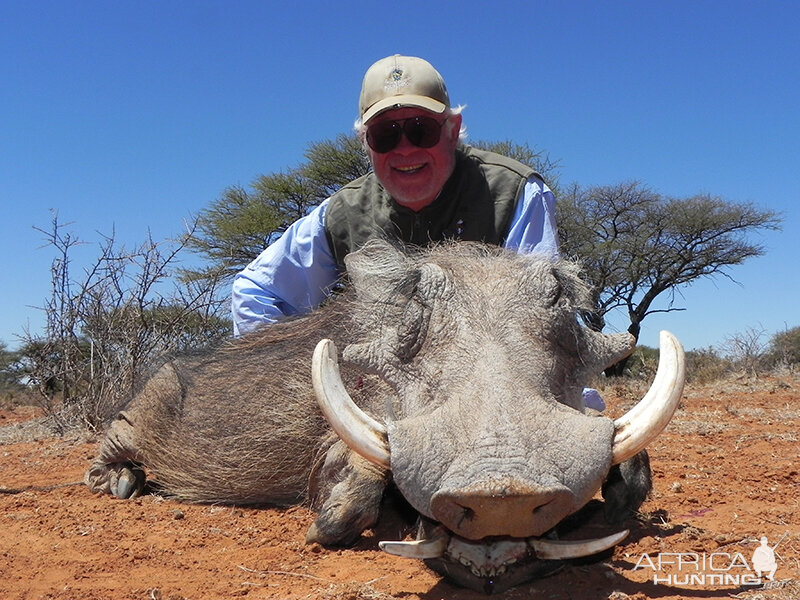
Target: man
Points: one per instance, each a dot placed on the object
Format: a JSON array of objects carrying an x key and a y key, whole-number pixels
[{"x": 424, "y": 187}]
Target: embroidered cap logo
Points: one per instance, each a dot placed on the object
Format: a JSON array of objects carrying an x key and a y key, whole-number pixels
[{"x": 396, "y": 80}]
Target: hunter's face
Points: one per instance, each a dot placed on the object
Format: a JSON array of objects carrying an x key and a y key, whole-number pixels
[{"x": 412, "y": 174}]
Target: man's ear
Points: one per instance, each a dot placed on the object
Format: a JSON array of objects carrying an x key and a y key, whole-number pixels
[{"x": 455, "y": 127}]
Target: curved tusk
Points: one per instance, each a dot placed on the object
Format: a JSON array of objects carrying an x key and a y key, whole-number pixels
[
  {"x": 641, "y": 424},
  {"x": 357, "y": 429},
  {"x": 562, "y": 550},
  {"x": 420, "y": 549}
]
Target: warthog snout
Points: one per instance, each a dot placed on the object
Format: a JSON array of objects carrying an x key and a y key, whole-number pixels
[{"x": 501, "y": 508}]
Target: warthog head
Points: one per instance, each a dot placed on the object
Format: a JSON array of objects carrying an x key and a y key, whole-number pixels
[{"x": 487, "y": 436}]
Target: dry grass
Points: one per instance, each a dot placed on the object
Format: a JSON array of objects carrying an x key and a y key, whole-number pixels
[
  {"x": 352, "y": 591},
  {"x": 32, "y": 426},
  {"x": 775, "y": 590}
]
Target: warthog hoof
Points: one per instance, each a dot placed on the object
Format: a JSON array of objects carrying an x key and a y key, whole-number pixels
[
  {"x": 130, "y": 483},
  {"x": 123, "y": 480}
]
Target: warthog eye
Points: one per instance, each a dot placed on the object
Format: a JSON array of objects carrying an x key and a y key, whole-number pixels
[
  {"x": 554, "y": 295},
  {"x": 413, "y": 329}
]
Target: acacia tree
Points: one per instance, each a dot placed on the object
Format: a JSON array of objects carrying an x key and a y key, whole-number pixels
[
  {"x": 330, "y": 164},
  {"x": 637, "y": 245}
]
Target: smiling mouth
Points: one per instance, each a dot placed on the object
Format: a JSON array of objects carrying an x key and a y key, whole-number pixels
[{"x": 410, "y": 168}]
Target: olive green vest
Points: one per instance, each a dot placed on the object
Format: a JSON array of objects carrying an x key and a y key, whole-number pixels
[{"x": 476, "y": 204}]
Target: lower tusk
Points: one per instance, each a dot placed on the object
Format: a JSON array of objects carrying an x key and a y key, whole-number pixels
[
  {"x": 563, "y": 550},
  {"x": 545, "y": 549},
  {"x": 419, "y": 549}
]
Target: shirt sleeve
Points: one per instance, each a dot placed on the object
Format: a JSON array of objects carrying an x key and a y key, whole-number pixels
[
  {"x": 533, "y": 226},
  {"x": 292, "y": 276}
]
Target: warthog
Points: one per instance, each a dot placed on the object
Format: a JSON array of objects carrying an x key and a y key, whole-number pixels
[{"x": 464, "y": 365}]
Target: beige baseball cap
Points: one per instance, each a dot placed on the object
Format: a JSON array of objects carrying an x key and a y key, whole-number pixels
[{"x": 397, "y": 81}]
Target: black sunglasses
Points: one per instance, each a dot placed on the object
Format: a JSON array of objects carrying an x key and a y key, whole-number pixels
[{"x": 423, "y": 132}]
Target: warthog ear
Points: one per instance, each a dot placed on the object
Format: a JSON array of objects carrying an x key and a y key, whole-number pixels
[{"x": 379, "y": 271}]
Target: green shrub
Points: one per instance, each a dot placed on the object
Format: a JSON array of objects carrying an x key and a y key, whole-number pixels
[{"x": 706, "y": 366}]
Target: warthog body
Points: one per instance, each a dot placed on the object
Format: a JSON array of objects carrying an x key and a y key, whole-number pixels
[{"x": 480, "y": 420}]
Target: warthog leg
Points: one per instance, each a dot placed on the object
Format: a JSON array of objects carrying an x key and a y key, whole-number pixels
[
  {"x": 115, "y": 471},
  {"x": 346, "y": 491}
]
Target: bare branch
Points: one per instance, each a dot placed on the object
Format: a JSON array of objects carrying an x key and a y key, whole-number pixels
[{"x": 105, "y": 329}]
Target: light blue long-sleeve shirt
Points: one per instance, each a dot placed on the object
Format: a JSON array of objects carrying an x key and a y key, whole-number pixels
[{"x": 296, "y": 273}]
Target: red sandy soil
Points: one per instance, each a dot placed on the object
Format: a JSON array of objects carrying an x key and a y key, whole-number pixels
[{"x": 725, "y": 474}]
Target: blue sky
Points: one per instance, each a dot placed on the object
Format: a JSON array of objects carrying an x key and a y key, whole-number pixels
[{"x": 130, "y": 116}]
